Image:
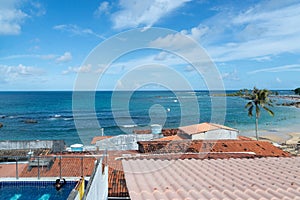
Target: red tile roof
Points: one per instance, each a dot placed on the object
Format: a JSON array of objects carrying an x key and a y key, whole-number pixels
[
  {"x": 170, "y": 138},
  {"x": 71, "y": 167},
  {"x": 177, "y": 137},
  {"x": 244, "y": 138},
  {"x": 260, "y": 148},
  {"x": 260, "y": 179},
  {"x": 9, "y": 170},
  {"x": 203, "y": 127},
  {"x": 182, "y": 156},
  {"x": 117, "y": 186},
  {"x": 116, "y": 180},
  {"x": 165, "y": 132},
  {"x": 99, "y": 138}
]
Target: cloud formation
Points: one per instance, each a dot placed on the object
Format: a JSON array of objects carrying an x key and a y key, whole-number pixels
[
  {"x": 76, "y": 30},
  {"x": 103, "y": 8},
  {"x": 143, "y": 13},
  {"x": 284, "y": 68},
  {"x": 261, "y": 31},
  {"x": 64, "y": 58},
  {"x": 11, "y": 17},
  {"x": 12, "y": 73},
  {"x": 83, "y": 69}
]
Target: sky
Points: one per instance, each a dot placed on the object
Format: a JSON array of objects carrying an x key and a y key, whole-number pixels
[{"x": 46, "y": 45}]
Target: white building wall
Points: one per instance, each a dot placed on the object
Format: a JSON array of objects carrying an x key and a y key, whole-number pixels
[
  {"x": 123, "y": 142},
  {"x": 199, "y": 136},
  {"x": 99, "y": 186},
  {"x": 220, "y": 134}
]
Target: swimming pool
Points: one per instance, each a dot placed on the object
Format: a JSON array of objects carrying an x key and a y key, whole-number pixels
[{"x": 34, "y": 190}]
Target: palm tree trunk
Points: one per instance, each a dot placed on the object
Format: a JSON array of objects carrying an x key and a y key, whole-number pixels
[{"x": 256, "y": 127}]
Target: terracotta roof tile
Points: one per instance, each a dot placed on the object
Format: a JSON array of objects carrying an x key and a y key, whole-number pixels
[
  {"x": 203, "y": 127},
  {"x": 260, "y": 148},
  {"x": 170, "y": 131},
  {"x": 9, "y": 170},
  {"x": 170, "y": 138},
  {"x": 165, "y": 132},
  {"x": 116, "y": 180},
  {"x": 148, "y": 131},
  {"x": 182, "y": 156},
  {"x": 71, "y": 167},
  {"x": 263, "y": 178},
  {"x": 98, "y": 138},
  {"x": 244, "y": 138}
]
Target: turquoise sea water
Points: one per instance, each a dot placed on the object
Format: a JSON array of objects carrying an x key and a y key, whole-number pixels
[{"x": 122, "y": 112}]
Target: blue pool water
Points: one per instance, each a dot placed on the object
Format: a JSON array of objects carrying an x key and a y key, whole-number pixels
[{"x": 34, "y": 190}]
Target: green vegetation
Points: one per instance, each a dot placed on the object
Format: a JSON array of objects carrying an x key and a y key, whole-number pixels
[
  {"x": 240, "y": 93},
  {"x": 245, "y": 93},
  {"x": 258, "y": 99},
  {"x": 297, "y": 91}
]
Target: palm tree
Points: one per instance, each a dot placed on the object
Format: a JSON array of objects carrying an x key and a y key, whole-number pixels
[{"x": 258, "y": 99}]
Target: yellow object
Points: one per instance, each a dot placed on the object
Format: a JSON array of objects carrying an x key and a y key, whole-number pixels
[{"x": 81, "y": 188}]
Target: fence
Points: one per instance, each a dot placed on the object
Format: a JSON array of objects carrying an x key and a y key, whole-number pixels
[
  {"x": 47, "y": 166},
  {"x": 97, "y": 187},
  {"x": 56, "y": 145}
]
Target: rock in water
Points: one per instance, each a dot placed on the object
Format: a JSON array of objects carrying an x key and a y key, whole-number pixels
[
  {"x": 30, "y": 121},
  {"x": 1, "y": 125}
]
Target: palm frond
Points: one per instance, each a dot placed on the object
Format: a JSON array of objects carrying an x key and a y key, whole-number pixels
[
  {"x": 248, "y": 104},
  {"x": 269, "y": 111},
  {"x": 250, "y": 111}
]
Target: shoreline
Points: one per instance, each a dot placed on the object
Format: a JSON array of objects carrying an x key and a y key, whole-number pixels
[{"x": 280, "y": 137}]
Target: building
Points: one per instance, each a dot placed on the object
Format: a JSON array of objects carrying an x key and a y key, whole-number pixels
[
  {"x": 208, "y": 131},
  {"x": 166, "y": 151}
]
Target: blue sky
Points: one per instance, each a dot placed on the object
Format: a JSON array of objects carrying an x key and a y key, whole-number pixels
[{"x": 44, "y": 44}]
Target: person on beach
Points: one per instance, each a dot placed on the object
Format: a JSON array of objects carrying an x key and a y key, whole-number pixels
[{"x": 59, "y": 184}]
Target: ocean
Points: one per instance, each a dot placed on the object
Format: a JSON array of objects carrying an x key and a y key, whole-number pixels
[{"x": 79, "y": 118}]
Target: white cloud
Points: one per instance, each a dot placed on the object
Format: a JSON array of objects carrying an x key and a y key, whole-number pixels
[
  {"x": 173, "y": 41},
  {"x": 263, "y": 58},
  {"x": 284, "y": 68},
  {"x": 180, "y": 43},
  {"x": 146, "y": 13},
  {"x": 196, "y": 32},
  {"x": 37, "y": 9},
  {"x": 261, "y": 31},
  {"x": 44, "y": 57},
  {"x": 76, "y": 30},
  {"x": 231, "y": 75},
  {"x": 83, "y": 69},
  {"x": 278, "y": 80},
  {"x": 11, "y": 17},
  {"x": 103, "y": 8},
  {"x": 12, "y": 73},
  {"x": 161, "y": 56},
  {"x": 64, "y": 58}
]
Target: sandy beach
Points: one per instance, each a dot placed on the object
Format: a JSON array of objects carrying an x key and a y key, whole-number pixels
[
  {"x": 295, "y": 138},
  {"x": 290, "y": 138}
]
